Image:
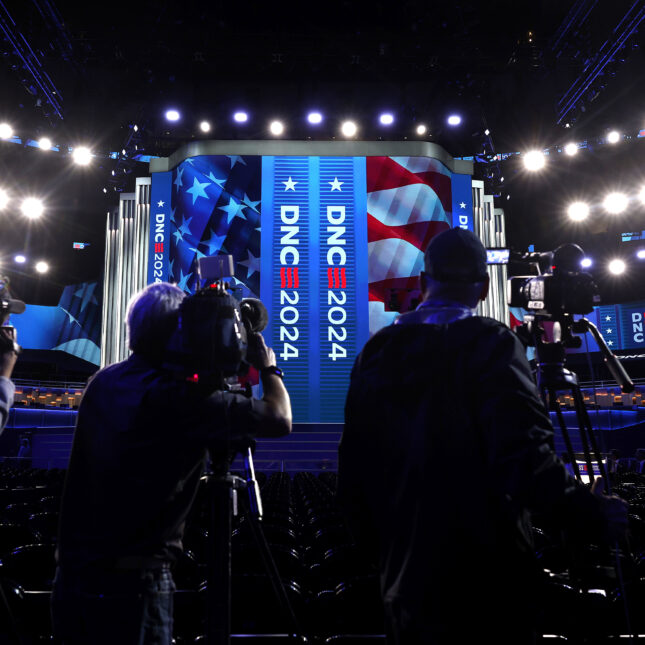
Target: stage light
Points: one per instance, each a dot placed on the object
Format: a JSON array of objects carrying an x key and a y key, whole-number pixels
[
  {"x": 641, "y": 254},
  {"x": 42, "y": 267},
  {"x": 45, "y": 143},
  {"x": 578, "y": 211},
  {"x": 585, "y": 263},
  {"x": 616, "y": 267},
  {"x": 82, "y": 156},
  {"x": 534, "y": 160},
  {"x": 571, "y": 149},
  {"x": 20, "y": 259},
  {"x": 240, "y": 117},
  {"x": 421, "y": 129},
  {"x": 205, "y": 126},
  {"x": 615, "y": 203},
  {"x": 386, "y": 119},
  {"x": 486, "y": 131},
  {"x": 613, "y": 136},
  {"x": 276, "y": 128},
  {"x": 349, "y": 129},
  {"x": 6, "y": 131},
  {"x": 314, "y": 118},
  {"x": 454, "y": 119},
  {"x": 32, "y": 208},
  {"x": 172, "y": 115},
  {"x": 641, "y": 195},
  {"x": 4, "y": 198}
]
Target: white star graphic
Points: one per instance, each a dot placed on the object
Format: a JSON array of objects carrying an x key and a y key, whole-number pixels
[
  {"x": 232, "y": 210},
  {"x": 610, "y": 342},
  {"x": 336, "y": 185},
  {"x": 198, "y": 190},
  {"x": 607, "y": 331},
  {"x": 160, "y": 203},
  {"x": 252, "y": 263},
  {"x": 462, "y": 205},
  {"x": 290, "y": 184},
  {"x": 607, "y": 317}
]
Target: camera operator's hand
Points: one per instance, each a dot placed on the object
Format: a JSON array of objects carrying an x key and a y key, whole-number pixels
[
  {"x": 8, "y": 355},
  {"x": 259, "y": 354},
  {"x": 614, "y": 509}
]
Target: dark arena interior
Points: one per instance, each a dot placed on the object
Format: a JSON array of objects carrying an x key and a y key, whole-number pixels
[{"x": 311, "y": 152}]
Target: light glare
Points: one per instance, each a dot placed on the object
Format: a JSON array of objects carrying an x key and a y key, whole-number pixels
[
  {"x": 205, "y": 126},
  {"x": 571, "y": 149},
  {"x": 314, "y": 118},
  {"x": 349, "y": 129},
  {"x": 20, "y": 259},
  {"x": 613, "y": 136},
  {"x": 32, "y": 208},
  {"x": 615, "y": 203},
  {"x": 6, "y": 131},
  {"x": 276, "y": 128},
  {"x": 82, "y": 156},
  {"x": 641, "y": 254},
  {"x": 616, "y": 267},
  {"x": 534, "y": 160},
  {"x": 641, "y": 195},
  {"x": 454, "y": 119},
  {"x": 172, "y": 115},
  {"x": 240, "y": 117},
  {"x": 4, "y": 198},
  {"x": 42, "y": 267},
  {"x": 421, "y": 129},
  {"x": 578, "y": 211},
  {"x": 585, "y": 263},
  {"x": 386, "y": 119},
  {"x": 45, "y": 143}
]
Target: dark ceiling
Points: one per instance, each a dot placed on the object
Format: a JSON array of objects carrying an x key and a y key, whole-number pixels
[{"x": 88, "y": 73}]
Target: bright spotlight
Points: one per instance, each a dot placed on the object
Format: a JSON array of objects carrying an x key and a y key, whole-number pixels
[
  {"x": 45, "y": 143},
  {"x": 4, "y": 198},
  {"x": 42, "y": 267},
  {"x": 386, "y": 119},
  {"x": 32, "y": 208},
  {"x": 240, "y": 117},
  {"x": 20, "y": 259},
  {"x": 571, "y": 149},
  {"x": 349, "y": 129},
  {"x": 205, "y": 126},
  {"x": 534, "y": 160},
  {"x": 615, "y": 203},
  {"x": 421, "y": 129},
  {"x": 172, "y": 115},
  {"x": 486, "y": 131},
  {"x": 578, "y": 211},
  {"x": 276, "y": 128},
  {"x": 613, "y": 136},
  {"x": 585, "y": 263},
  {"x": 641, "y": 195},
  {"x": 616, "y": 267},
  {"x": 6, "y": 131},
  {"x": 82, "y": 156},
  {"x": 641, "y": 254},
  {"x": 314, "y": 118},
  {"x": 454, "y": 119}
]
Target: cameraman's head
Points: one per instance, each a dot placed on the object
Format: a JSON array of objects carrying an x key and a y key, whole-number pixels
[
  {"x": 152, "y": 318},
  {"x": 455, "y": 268}
]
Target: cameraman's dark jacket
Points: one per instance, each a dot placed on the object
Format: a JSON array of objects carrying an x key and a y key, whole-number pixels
[
  {"x": 138, "y": 453},
  {"x": 446, "y": 447}
]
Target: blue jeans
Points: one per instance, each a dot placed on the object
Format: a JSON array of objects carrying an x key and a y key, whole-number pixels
[{"x": 131, "y": 607}]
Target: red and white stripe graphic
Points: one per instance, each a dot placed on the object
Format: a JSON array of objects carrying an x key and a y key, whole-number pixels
[
  {"x": 409, "y": 201},
  {"x": 289, "y": 278}
]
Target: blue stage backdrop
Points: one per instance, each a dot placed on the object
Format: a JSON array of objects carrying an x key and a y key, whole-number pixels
[
  {"x": 325, "y": 242},
  {"x": 73, "y": 326}
]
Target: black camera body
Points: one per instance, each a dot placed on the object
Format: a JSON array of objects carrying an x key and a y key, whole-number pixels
[
  {"x": 212, "y": 337},
  {"x": 561, "y": 289}
]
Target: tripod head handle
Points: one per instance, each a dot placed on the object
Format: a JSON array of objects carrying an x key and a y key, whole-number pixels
[{"x": 613, "y": 364}]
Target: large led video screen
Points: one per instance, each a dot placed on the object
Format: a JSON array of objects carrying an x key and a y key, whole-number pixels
[{"x": 327, "y": 243}]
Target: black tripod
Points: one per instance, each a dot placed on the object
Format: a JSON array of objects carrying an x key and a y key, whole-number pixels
[{"x": 225, "y": 504}]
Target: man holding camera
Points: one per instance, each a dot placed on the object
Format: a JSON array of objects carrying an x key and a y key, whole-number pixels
[
  {"x": 139, "y": 451},
  {"x": 446, "y": 449}
]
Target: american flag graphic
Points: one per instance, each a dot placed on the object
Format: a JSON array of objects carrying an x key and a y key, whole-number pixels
[{"x": 409, "y": 201}]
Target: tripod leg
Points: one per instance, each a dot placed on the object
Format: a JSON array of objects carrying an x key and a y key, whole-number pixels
[
  {"x": 552, "y": 395},
  {"x": 272, "y": 572},
  {"x": 583, "y": 415}
]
